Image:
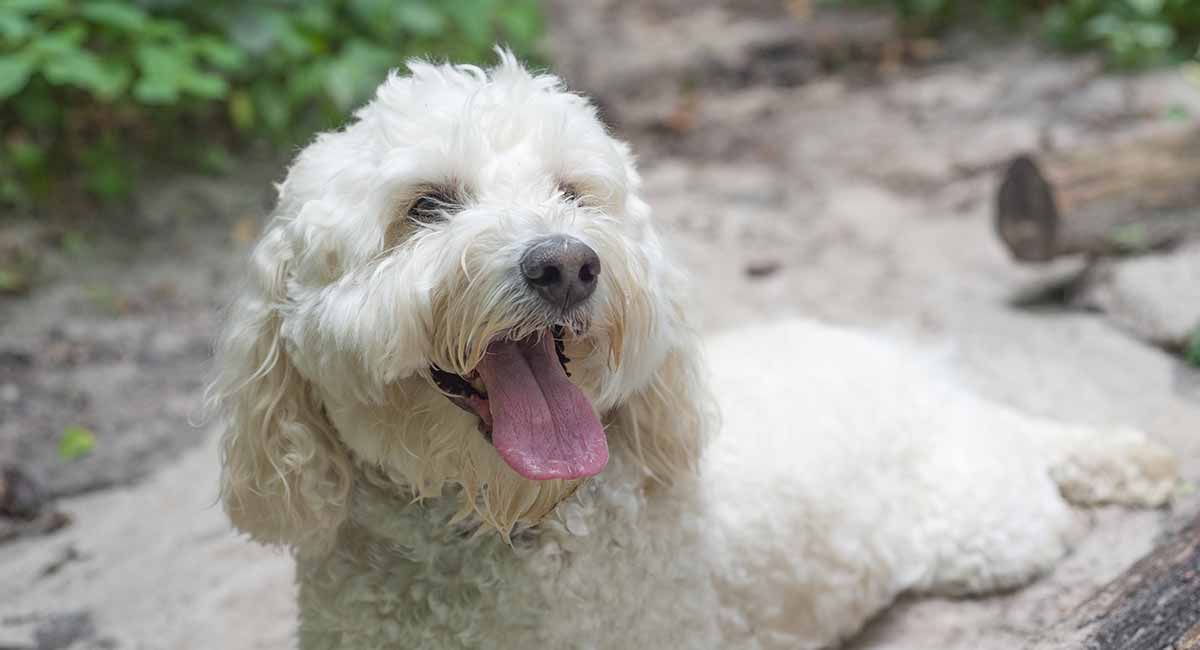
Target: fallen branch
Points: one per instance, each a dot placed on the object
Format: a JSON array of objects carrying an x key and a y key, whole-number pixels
[
  {"x": 1155, "y": 605},
  {"x": 1124, "y": 199}
]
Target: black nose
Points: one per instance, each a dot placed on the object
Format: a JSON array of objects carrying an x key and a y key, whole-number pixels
[{"x": 561, "y": 269}]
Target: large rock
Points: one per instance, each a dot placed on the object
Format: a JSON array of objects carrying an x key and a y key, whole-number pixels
[{"x": 1155, "y": 297}]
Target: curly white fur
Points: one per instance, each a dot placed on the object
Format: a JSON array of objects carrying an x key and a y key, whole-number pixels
[{"x": 846, "y": 471}]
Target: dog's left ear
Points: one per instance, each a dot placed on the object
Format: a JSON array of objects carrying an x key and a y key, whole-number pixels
[{"x": 285, "y": 477}]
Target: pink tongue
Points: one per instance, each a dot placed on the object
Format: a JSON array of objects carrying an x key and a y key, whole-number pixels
[{"x": 542, "y": 425}]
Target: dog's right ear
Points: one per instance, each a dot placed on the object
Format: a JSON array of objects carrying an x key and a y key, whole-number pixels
[{"x": 285, "y": 476}]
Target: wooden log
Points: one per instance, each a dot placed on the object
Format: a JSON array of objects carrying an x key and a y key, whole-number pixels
[
  {"x": 1127, "y": 198},
  {"x": 1154, "y": 605}
]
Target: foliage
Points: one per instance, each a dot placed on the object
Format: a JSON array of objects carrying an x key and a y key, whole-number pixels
[
  {"x": 75, "y": 443},
  {"x": 83, "y": 83},
  {"x": 1131, "y": 33},
  {"x": 1191, "y": 351}
]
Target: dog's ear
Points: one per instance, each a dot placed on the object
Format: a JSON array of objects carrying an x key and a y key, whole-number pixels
[
  {"x": 667, "y": 422},
  {"x": 285, "y": 475}
]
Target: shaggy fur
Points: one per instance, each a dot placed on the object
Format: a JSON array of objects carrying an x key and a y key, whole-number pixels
[{"x": 846, "y": 470}]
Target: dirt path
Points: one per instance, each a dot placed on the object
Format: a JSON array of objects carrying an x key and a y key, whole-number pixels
[{"x": 861, "y": 199}]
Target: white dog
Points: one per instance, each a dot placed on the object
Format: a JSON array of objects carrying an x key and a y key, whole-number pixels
[{"x": 461, "y": 387}]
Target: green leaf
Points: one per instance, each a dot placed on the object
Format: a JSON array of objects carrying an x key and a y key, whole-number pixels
[
  {"x": 24, "y": 154},
  {"x": 219, "y": 53},
  {"x": 75, "y": 443},
  {"x": 160, "y": 59},
  {"x": 241, "y": 110},
  {"x": 316, "y": 17},
  {"x": 14, "y": 74},
  {"x": 1104, "y": 25},
  {"x": 66, "y": 40},
  {"x": 375, "y": 14},
  {"x": 309, "y": 81},
  {"x": 1191, "y": 352},
  {"x": 33, "y": 6},
  {"x": 162, "y": 68},
  {"x": 272, "y": 106},
  {"x": 166, "y": 29},
  {"x": 1146, "y": 7},
  {"x": 203, "y": 85},
  {"x": 522, "y": 24},
  {"x": 117, "y": 15},
  {"x": 419, "y": 18},
  {"x": 82, "y": 69},
  {"x": 1154, "y": 36},
  {"x": 356, "y": 72},
  {"x": 13, "y": 27},
  {"x": 156, "y": 90},
  {"x": 473, "y": 18},
  {"x": 287, "y": 37},
  {"x": 261, "y": 30},
  {"x": 37, "y": 110}
]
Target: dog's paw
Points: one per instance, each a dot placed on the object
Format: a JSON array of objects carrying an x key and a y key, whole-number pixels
[{"x": 1123, "y": 468}]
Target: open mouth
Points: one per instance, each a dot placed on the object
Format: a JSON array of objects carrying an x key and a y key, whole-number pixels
[{"x": 540, "y": 422}]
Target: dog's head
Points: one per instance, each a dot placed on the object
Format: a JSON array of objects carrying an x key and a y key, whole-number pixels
[{"x": 461, "y": 290}]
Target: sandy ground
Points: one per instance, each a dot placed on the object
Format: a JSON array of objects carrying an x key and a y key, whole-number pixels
[{"x": 860, "y": 198}]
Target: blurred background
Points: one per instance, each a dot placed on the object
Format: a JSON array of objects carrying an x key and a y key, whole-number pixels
[{"x": 846, "y": 160}]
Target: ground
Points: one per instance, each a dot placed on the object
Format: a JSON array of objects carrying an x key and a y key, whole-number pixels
[{"x": 800, "y": 166}]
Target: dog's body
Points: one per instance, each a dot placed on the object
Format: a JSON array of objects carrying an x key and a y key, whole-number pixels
[
  {"x": 844, "y": 470},
  {"x": 847, "y": 471}
]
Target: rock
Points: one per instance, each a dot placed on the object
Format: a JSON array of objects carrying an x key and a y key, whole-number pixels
[
  {"x": 61, "y": 631},
  {"x": 1155, "y": 297},
  {"x": 21, "y": 496}
]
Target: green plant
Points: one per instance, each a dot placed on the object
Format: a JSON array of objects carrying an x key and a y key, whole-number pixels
[
  {"x": 1131, "y": 33},
  {"x": 1191, "y": 350},
  {"x": 933, "y": 16},
  {"x": 75, "y": 443},
  {"x": 92, "y": 89}
]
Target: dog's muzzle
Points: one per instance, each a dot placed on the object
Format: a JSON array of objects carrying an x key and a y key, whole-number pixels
[{"x": 562, "y": 270}]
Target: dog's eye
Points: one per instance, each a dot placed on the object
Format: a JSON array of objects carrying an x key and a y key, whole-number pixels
[
  {"x": 432, "y": 206},
  {"x": 570, "y": 192}
]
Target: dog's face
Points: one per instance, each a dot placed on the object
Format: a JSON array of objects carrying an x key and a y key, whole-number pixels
[{"x": 464, "y": 287}]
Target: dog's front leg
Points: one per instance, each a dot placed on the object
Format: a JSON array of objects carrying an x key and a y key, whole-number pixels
[{"x": 1007, "y": 513}]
